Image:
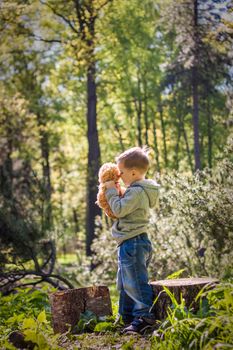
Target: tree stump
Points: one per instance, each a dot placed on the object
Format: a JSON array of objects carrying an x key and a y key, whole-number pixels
[
  {"x": 188, "y": 288},
  {"x": 66, "y": 306}
]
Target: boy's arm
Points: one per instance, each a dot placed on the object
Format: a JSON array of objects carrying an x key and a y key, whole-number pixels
[{"x": 121, "y": 206}]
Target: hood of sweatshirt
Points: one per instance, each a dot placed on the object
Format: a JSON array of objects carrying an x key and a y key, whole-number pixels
[{"x": 151, "y": 188}]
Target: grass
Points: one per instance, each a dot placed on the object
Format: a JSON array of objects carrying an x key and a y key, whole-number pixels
[{"x": 67, "y": 259}]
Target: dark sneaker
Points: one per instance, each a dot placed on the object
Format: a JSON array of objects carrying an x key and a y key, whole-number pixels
[
  {"x": 127, "y": 321},
  {"x": 141, "y": 325},
  {"x": 123, "y": 322}
]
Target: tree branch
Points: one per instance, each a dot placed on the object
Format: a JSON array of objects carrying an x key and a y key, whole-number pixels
[
  {"x": 51, "y": 258},
  {"x": 39, "y": 38},
  {"x": 81, "y": 18},
  {"x": 65, "y": 19},
  {"x": 104, "y": 4},
  {"x": 17, "y": 276}
]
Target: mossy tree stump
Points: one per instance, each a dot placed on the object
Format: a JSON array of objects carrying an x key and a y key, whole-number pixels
[
  {"x": 66, "y": 306},
  {"x": 188, "y": 288}
]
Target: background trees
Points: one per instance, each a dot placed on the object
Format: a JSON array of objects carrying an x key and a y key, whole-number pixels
[
  {"x": 199, "y": 68},
  {"x": 83, "y": 80}
]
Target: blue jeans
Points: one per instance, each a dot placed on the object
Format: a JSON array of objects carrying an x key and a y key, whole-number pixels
[{"x": 136, "y": 295}]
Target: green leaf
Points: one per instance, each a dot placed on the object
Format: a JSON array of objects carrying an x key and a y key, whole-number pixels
[
  {"x": 176, "y": 274},
  {"x": 30, "y": 335},
  {"x": 42, "y": 317},
  {"x": 87, "y": 322},
  {"x": 29, "y": 323},
  {"x": 104, "y": 326}
]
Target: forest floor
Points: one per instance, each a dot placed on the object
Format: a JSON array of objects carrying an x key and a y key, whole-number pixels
[{"x": 109, "y": 341}]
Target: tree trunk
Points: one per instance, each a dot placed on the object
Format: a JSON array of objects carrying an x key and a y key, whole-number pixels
[
  {"x": 156, "y": 149},
  {"x": 146, "y": 113},
  {"x": 187, "y": 148},
  {"x": 118, "y": 130},
  {"x": 186, "y": 142},
  {"x": 138, "y": 107},
  {"x": 179, "y": 128},
  {"x": 139, "y": 117},
  {"x": 93, "y": 158},
  {"x": 187, "y": 288},
  {"x": 68, "y": 305},
  {"x": 160, "y": 109},
  {"x": 47, "y": 188},
  {"x": 209, "y": 129},
  {"x": 76, "y": 221},
  {"x": 195, "y": 91},
  {"x": 196, "y": 119},
  {"x": 6, "y": 173}
]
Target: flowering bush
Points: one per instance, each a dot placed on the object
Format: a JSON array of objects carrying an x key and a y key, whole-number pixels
[{"x": 194, "y": 227}]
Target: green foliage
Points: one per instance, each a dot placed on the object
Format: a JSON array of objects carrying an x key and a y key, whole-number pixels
[
  {"x": 104, "y": 326},
  {"x": 23, "y": 303},
  {"x": 209, "y": 330},
  {"x": 89, "y": 322},
  {"x": 211, "y": 327},
  {"x": 27, "y": 311},
  {"x": 39, "y": 331},
  {"x": 189, "y": 25},
  {"x": 178, "y": 311},
  {"x": 193, "y": 229}
]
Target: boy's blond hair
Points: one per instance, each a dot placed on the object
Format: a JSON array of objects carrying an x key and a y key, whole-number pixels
[{"x": 135, "y": 157}]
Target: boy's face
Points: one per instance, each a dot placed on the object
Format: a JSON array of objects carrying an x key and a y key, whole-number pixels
[{"x": 128, "y": 175}]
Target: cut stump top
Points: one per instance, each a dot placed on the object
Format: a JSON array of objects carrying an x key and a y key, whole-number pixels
[{"x": 184, "y": 282}]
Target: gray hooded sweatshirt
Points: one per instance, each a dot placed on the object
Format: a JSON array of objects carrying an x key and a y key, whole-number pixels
[{"x": 132, "y": 210}]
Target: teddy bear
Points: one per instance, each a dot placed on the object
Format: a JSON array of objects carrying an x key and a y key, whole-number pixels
[{"x": 107, "y": 172}]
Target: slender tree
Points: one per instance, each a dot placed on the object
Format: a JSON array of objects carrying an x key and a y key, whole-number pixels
[
  {"x": 87, "y": 14},
  {"x": 83, "y": 28}
]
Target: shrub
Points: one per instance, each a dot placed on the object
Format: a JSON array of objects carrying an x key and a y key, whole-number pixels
[
  {"x": 194, "y": 227},
  {"x": 28, "y": 312}
]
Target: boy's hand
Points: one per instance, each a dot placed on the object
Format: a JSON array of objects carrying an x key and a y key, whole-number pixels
[
  {"x": 121, "y": 190},
  {"x": 110, "y": 184}
]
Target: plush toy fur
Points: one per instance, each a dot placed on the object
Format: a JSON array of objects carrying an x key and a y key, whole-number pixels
[{"x": 107, "y": 172}]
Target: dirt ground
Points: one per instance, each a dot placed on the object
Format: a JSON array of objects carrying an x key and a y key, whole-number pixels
[{"x": 109, "y": 341}]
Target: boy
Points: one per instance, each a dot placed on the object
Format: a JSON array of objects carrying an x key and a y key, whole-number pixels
[{"x": 129, "y": 230}]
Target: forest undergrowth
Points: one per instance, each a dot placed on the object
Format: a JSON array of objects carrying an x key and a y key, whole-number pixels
[{"x": 27, "y": 312}]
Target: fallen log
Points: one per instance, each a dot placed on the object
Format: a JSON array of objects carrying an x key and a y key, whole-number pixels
[
  {"x": 186, "y": 288},
  {"x": 67, "y": 305}
]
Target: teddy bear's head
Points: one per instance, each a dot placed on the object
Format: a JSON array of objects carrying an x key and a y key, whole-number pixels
[{"x": 109, "y": 172}]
